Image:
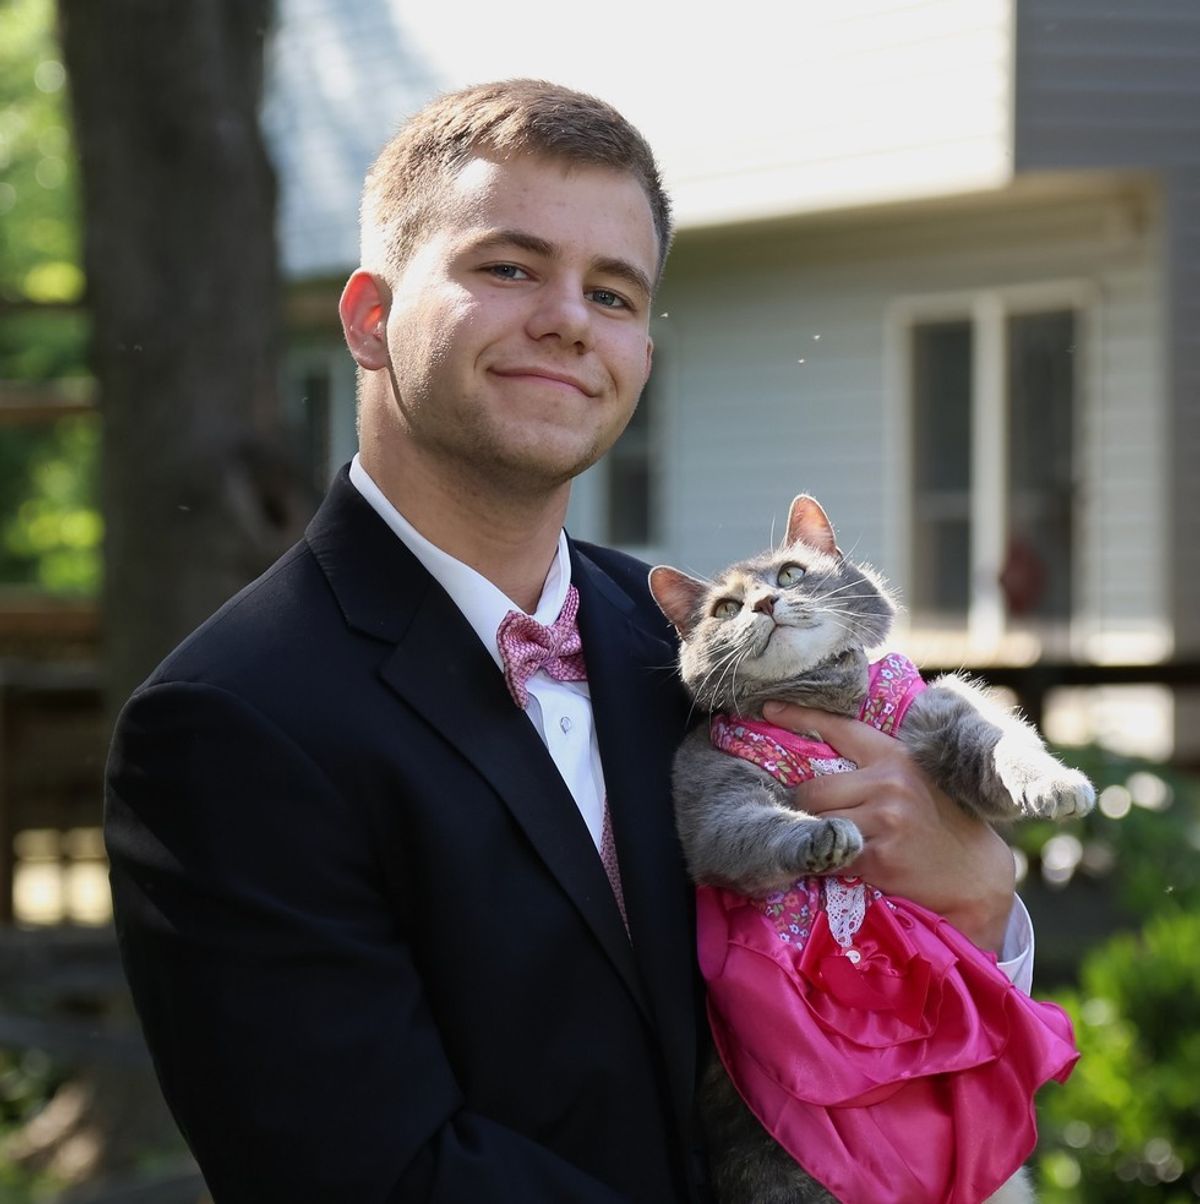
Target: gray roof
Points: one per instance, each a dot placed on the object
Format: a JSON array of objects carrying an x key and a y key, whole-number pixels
[{"x": 340, "y": 78}]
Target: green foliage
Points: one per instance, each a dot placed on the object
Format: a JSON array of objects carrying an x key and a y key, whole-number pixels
[
  {"x": 44, "y": 346},
  {"x": 50, "y": 528},
  {"x": 19, "y": 1187},
  {"x": 39, "y": 219},
  {"x": 27, "y": 1080},
  {"x": 53, "y": 537},
  {"x": 1126, "y": 1127},
  {"x": 1143, "y": 839}
]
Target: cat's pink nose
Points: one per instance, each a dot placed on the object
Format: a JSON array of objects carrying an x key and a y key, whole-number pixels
[{"x": 766, "y": 604}]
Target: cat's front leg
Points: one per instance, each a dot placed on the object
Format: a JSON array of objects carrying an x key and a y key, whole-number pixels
[
  {"x": 738, "y": 829},
  {"x": 988, "y": 759}
]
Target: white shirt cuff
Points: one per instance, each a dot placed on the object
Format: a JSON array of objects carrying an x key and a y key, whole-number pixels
[{"x": 1016, "y": 954}]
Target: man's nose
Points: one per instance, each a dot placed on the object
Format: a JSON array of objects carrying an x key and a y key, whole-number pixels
[
  {"x": 562, "y": 312},
  {"x": 765, "y": 605}
]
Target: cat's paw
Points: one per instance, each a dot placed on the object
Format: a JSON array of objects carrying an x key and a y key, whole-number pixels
[
  {"x": 1061, "y": 794},
  {"x": 828, "y": 844}
]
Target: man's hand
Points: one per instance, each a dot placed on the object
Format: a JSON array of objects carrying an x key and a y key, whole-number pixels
[{"x": 917, "y": 842}]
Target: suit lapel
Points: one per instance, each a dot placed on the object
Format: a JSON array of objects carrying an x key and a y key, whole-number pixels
[
  {"x": 636, "y": 701},
  {"x": 441, "y": 670}
]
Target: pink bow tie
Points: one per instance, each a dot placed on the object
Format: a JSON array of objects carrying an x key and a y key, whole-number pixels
[{"x": 527, "y": 646}]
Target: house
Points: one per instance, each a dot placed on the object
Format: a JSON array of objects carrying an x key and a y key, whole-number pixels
[{"x": 938, "y": 263}]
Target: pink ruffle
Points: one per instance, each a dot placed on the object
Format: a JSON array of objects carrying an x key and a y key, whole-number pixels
[{"x": 905, "y": 1075}]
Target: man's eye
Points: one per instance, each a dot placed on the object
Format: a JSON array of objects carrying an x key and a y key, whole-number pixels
[
  {"x": 608, "y": 299},
  {"x": 727, "y": 608},
  {"x": 508, "y": 271}
]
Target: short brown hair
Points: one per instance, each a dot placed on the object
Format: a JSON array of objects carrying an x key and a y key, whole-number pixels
[{"x": 510, "y": 117}]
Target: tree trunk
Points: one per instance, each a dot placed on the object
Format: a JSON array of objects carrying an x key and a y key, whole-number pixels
[
  {"x": 181, "y": 265},
  {"x": 197, "y": 489}
]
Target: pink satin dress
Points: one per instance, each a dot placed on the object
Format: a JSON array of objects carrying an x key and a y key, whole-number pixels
[{"x": 887, "y": 1054}]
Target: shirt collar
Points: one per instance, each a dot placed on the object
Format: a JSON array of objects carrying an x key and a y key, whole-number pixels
[{"x": 482, "y": 604}]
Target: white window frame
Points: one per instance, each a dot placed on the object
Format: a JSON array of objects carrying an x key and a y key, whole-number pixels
[{"x": 988, "y": 309}]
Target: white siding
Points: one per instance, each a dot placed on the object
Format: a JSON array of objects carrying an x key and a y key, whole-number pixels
[
  {"x": 860, "y": 102},
  {"x": 747, "y": 426},
  {"x": 768, "y": 109}
]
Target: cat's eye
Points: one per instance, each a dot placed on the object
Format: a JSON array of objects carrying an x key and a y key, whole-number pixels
[
  {"x": 790, "y": 574},
  {"x": 727, "y": 608}
]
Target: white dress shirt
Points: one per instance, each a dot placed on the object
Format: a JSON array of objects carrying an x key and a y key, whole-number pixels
[{"x": 560, "y": 711}]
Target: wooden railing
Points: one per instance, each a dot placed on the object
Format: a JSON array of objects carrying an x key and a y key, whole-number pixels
[{"x": 1032, "y": 683}]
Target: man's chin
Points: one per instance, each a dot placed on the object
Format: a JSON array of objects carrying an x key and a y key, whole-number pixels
[
  {"x": 547, "y": 467},
  {"x": 532, "y": 476}
]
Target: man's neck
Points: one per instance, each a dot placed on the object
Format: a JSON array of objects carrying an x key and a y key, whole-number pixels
[{"x": 510, "y": 540}]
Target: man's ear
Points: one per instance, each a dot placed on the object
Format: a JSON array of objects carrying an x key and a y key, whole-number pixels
[
  {"x": 649, "y": 360},
  {"x": 364, "y": 312}
]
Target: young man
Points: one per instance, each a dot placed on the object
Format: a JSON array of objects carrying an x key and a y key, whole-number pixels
[{"x": 395, "y": 874}]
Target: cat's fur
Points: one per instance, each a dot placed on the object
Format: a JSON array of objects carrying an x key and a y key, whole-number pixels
[{"x": 748, "y": 638}]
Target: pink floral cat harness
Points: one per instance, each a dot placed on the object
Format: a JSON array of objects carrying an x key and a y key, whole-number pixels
[{"x": 886, "y": 1053}]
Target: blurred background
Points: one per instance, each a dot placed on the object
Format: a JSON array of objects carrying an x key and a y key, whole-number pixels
[{"x": 938, "y": 263}]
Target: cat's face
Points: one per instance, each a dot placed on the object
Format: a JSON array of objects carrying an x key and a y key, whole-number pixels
[{"x": 770, "y": 620}]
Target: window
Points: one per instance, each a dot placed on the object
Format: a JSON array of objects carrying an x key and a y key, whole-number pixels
[
  {"x": 1036, "y": 576},
  {"x": 632, "y": 508},
  {"x": 319, "y": 400},
  {"x": 630, "y": 484},
  {"x": 60, "y": 877},
  {"x": 941, "y": 393},
  {"x": 992, "y": 395},
  {"x": 315, "y": 432}
]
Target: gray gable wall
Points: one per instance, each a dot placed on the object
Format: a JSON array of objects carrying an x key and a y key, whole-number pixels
[
  {"x": 341, "y": 77},
  {"x": 1109, "y": 84}
]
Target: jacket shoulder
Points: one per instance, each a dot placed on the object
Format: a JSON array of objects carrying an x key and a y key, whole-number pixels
[
  {"x": 631, "y": 576},
  {"x": 270, "y": 618}
]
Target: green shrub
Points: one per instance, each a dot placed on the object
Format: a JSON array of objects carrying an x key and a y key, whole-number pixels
[
  {"x": 27, "y": 1080},
  {"x": 1143, "y": 840},
  {"x": 1126, "y": 1127}
]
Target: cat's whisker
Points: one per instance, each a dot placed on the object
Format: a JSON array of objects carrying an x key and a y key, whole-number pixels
[
  {"x": 719, "y": 669},
  {"x": 737, "y": 665},
  {"x": 837, "y": 616},
  {"x": 729, "y": 670},
  {"x": 738, "y": 661},
  {"x": 840, "y": 592},
  {"x": 849, "y": 555}
]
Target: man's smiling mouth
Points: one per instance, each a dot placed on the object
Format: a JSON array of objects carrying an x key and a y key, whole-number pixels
[{"x": 552, "y": 375}]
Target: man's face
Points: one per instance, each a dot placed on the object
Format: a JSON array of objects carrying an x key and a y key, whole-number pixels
[{"x": 518, "y": 329}]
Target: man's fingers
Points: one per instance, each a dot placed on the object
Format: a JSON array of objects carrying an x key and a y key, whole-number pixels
[
  {"x": 858, "y": 742},
  {"x": 831, "y": 792}
]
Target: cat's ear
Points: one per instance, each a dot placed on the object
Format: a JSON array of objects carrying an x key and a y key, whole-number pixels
[
  {"x": 809, "y": 524},
  {"x": 677, "y": 595}
]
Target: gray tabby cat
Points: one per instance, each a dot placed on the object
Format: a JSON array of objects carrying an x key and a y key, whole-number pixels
[{"x": 794, "y": 625}]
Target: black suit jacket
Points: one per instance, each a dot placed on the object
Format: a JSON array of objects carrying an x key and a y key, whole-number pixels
[{"x": 371, "y": 942}]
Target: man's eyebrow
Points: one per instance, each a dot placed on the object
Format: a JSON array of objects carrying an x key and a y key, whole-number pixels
[
  {"x": 516, "y": 238},
  {"x": 606, "y": 265},
  {"x": 624, "y": 270}
]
